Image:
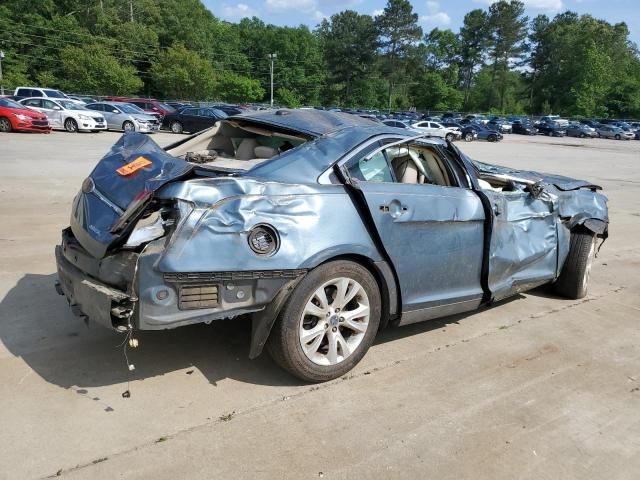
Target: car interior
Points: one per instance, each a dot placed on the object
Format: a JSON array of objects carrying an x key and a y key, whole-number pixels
[{"x": 236, "y": 145}]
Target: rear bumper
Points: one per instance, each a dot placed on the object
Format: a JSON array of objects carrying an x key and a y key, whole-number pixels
[
  {"x": 156, "y": 300},
  {"x": 91, "y": 299}
]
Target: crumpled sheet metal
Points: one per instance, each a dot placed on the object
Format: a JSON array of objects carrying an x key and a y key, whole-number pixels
[
  {"x": 523, "y": 241},
  {"x": 94, "y": 212},
  {"x": 314, "y": 223},
  {"x": 578, "y": 201}
]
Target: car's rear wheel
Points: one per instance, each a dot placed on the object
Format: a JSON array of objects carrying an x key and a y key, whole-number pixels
[
  {"x": 70, "y": 125},
  {"x": 128, "y": 126},
  {"x": 573, "y": 281},
  {"x": 5, "y": 125},
  {"x": 328, "y": 323},
  {"x": 468, "y": 137},
  {"x": 176, "y": 127}
]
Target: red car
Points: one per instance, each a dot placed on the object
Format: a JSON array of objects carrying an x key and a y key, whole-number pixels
[
  {"x": 14, "y": 116},
  {"x": 149, "y": 105}
]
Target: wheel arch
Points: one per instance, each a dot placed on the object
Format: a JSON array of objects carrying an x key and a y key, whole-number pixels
[{"x": 262, "y": 322}]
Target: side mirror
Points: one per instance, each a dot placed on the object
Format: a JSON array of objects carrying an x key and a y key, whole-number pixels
[{"x": 57, "y": 108}]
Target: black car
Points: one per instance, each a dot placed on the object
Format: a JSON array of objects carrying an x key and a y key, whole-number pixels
[
  {"x": 468, "y": 132},
  {"x": 229, "y": 109},
  {"x": 192, "y": 120},
  {"x": 179, "y": 105},
  {"x": 551, "y": 129},
  {"x": 524, "y": 128}
]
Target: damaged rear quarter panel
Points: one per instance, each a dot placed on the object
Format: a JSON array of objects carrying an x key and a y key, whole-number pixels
[{"x": 314, "y": 223}]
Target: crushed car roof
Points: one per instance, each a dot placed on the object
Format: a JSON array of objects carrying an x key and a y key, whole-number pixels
[{"x": 311, "y": 122}]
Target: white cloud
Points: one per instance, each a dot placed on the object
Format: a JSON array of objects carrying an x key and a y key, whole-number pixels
[
  {"x": 237, "y": 12},
  {"x": 377, "y": 12},
  {"x": 546, "y": 5},
  {"x": 435, "y": 16}
]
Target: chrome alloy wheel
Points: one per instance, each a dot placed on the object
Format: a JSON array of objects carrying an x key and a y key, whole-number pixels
[{"x": 334, "y": 321}]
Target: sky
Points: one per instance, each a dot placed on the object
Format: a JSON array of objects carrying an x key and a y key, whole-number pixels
[{"x": 433, "y": 13}]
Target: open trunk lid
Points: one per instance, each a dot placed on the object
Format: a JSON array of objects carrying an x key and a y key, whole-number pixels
[{"x": 119, "y": 188}]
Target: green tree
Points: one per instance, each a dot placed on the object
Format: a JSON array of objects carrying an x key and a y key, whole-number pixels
[
  {"x": 232, "y": 87},
  {"x": 398, "y": 32},
  {"x": 349, "y": 42},
  {"x": 474, "y": 40},
  {"x": 508, "y": 26},
  {"x": 181, "y": 73},
  {"x": 92, "y": 69}
]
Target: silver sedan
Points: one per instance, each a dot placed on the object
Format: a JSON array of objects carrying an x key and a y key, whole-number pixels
[{"x": 125, "y": 116}]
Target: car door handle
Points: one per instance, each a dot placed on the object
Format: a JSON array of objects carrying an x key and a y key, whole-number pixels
[
  {"x": 497, "y": 209},
  {"x": 395, "y": 208}
]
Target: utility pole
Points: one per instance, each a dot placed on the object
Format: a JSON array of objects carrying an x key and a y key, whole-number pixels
[
  {"x": 131, "y": 10},
  {"x": 1, "y": 86},
  {"x": 272, "y": 57}
]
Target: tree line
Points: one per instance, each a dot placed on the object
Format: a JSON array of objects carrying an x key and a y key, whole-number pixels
[{"x": 499, "y": 61}]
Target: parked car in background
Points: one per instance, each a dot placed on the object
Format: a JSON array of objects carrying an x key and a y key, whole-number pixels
[
  {"x": 469, "y": 133},
  {"x": 581, "y": 130},
  {"x": 28, "y": 92},
  {"x": 391, "y": 122},
  {"x": 358, "y": 227},
  {"x": 591, "y": 123},
  {"x": 610, "y": 131},
  {"x": 500, "y": 124},
  {"x": 82, "y": 98},
  {"x": 551, "y": 129},
  {"x": 524, "y": 128},
  {"x": 149, "y": 105},
  {"x": 234, "y": 109},
  {"x": 191, "y": 119},
  {"x": 67, "y": 115},
  {"x": 17, "y": 117},
  {"x": 179, "y": 105},
  {"x": 436, "y": 129},
  {"x": 554, "y": 119},
  {"x": 486, "y": 133},
  {"x": 126, "y": 117}
]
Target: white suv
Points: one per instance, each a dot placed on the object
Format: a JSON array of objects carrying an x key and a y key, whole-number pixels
[
  {"x": 66, "y": 114},
  {"x": 437, "y": 130},
  {"x": 28, "y": 92}
]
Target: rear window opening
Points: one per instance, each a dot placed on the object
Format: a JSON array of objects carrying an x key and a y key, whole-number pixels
[{"x": 233, "y": 144}]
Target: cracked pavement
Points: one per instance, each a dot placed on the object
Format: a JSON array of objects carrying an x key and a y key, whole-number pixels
[{"x": 533, "y": 387}]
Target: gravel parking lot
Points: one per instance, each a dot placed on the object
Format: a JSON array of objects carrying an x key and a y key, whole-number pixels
[{"x": 535, "y": 387}]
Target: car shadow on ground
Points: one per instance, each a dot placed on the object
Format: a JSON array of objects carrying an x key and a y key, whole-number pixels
[{"x": 37, "y": 325}]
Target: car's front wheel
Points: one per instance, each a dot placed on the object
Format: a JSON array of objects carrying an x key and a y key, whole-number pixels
[
  {"x": 617, "y": 137},
  {"x": 468, "y": 137},
  {"x": 492, "y": 138},
  {"x": 574, "y": 277},
  {"x": 70, "y": 125},
  {"x": 128, "y": 126},
  {"x": 176, "y": 127},
  {"x": 449, "y": 137},
  {"x": 328, "y": 323},
  {"x": 5, "y": 125}
]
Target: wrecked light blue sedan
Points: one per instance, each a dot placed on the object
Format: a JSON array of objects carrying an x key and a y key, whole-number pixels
[{"x": 323, "y": 227}]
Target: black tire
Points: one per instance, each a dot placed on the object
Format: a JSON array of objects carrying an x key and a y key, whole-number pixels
[
  {"x": 582, "y": 135},
  {"x": 617, "y": 137},
  {"x": 5, "y": 125},
  {"x": 468, "y": 137},
  {"x": 449, "y": 137},
  {"x": 573, "y": 281},
  {"x": 176, "y": 127},
  {"x": 492, "y": 138},
  {"x": 70, "y": 125},
  {"x": 128, "y": 126},
  {"x": 284, "y": 343}
]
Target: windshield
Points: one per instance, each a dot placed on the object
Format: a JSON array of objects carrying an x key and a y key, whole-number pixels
[
  {"x": 166, "y": 107},
  {"x": 7, "y": 102},
  {"x": 218, "y": 113},
  {"x": 54, "y": 94},
  {"x": 69, "y": 105},
  {"x": 129, "y": 108}
]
